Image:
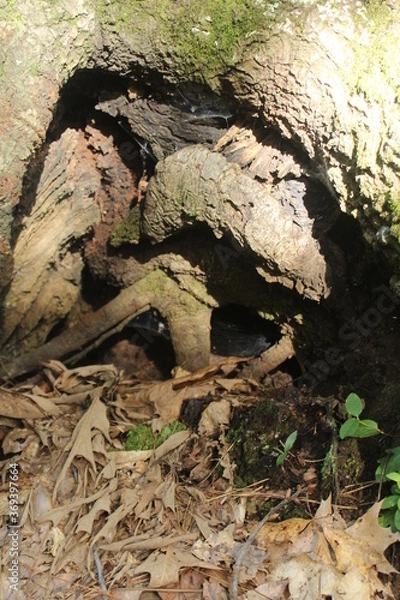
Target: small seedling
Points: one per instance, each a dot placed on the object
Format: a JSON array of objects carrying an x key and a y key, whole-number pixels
[
  {"x": 389, "y": 470},
  {"x": 354, "y": 426},
  {"x": 288, "y": 445}
]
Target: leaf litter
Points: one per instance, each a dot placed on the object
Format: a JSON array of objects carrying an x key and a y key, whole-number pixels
[{"x": 97, "y": 521}]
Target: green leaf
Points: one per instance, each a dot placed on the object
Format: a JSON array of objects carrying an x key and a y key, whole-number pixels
[
  {"x": 354, "y": 405},
  {"x": 393, "y": 463},
  {"x": 390, "y": 502},
  {"x": 290, "y": 441},
  {"x": 393, "y": 476},
  {"x": 349, "y": 428},
  {"x": 367, "y": 428},
  {"x": 397, "y": 520},
  {"x": 386, "y": 518},
  {"x": 280, "y": 460},
  {"x": 395, "y": 489},
  {"x": 389, "y": 463}
]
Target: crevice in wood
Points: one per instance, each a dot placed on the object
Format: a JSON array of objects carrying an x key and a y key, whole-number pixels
[{"x": 233, "y": 212}]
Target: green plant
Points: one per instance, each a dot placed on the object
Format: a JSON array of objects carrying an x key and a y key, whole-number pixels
[
  {"x": 388, "y": 470},
  {"x": 354, "y": 426},
  {"x": 141, "y": 437},
  {"x": 287, "y": 446},
  {"x": 328, "y": 466}
]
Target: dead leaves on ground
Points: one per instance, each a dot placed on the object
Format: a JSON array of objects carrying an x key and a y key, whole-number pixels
[
  {"x": 323, "y": 557},
  {"x": 161, "y": 522}
]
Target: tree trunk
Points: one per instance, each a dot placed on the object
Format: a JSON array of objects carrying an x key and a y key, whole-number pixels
[{"x": 265, "y": 136}]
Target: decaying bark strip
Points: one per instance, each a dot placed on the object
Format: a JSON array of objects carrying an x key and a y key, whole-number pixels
[{"x": 46, "y": 272}]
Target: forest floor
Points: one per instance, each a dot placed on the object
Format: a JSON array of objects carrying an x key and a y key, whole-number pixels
[{"x": 114, "y": 499}]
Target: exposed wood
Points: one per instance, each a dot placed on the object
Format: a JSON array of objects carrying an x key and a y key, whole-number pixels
[
  {"x": 80, "y": 194},
  {"x": 160, "y": 129},
  {"x": 270, "y": 360},
  {"x": 188, "y": 321},
  {"x": 216, "y": 193},
  {"x": 86, "y": 333},
  {"x": 319, "y": 136}
]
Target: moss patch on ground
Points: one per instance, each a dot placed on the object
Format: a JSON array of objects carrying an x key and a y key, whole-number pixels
[{"x": 141, "y": 437}]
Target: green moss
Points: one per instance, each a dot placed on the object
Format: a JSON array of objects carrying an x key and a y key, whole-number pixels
[
  {"x": 254, "y": 436},
  {"x": 376, "y": 68},
  {"x": 290, "y": 511},
  {"x": 349, "y": 465},
  {"x": 205, "y": 35},
  {"x": 392, "y": 205},
  {"x": 128, "y": 231},
  {"x": 169, "y": 430},
  {"x": 141, "y": 437},
  {"x": 352, "y": 469},
  {"x": 192, "y": 205},
  {"x": 10, "y": 14},
  {"x": 208, "y": 33}
]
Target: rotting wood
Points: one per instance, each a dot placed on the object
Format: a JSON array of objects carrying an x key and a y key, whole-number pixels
[
  {"x": 216, "y": 193},
  {"x": 269, "y": 360},
  {"x": 285, "y": 245},
  {"x": 78, "y": 338},
  {"x": 187, "y": 317},
  {"x": 160, "y": 129}
]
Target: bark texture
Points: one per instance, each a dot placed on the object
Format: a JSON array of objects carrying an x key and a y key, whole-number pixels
[
  {"x": 216, "y": 193},
  {"x": 265, "y": 138}
]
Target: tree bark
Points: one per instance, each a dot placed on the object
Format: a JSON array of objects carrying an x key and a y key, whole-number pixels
[
  {"x": 264, "y": 137},
  {"x": 218, "y": 194}
]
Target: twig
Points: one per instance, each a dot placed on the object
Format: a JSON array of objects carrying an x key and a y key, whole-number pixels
[
  {"x": 233, "y": 593},
  {"x": 99, "y": 567},
  {"x": 75, "y": 358},
  {"x": 131, "y": 301}
]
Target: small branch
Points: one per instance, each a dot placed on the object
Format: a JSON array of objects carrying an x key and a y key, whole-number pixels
[
  {"x": 270, "y": 359},
  {"x": 75, "y": 358},
  {"x": 83, "y": 335}
]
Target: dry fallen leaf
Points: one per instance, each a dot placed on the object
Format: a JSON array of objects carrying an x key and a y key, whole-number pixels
[
  {"x": 21, "y": 440},
  {"x": 164, "y": 567},
  {"x": 84, "y": 379},
  {"x": 174, "y": 441},
  {"x": 94, "y": 420},
  {"x": 102, "y": 505},
  {"x": 166, "y": 492},
  {"x": 215, "y": 416},
  {"x": 166, "y": 400},
  {"x": 205, "y": 372},
  {"x": 26, "y": 406},
  {"x": 323, "y": 557}
]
